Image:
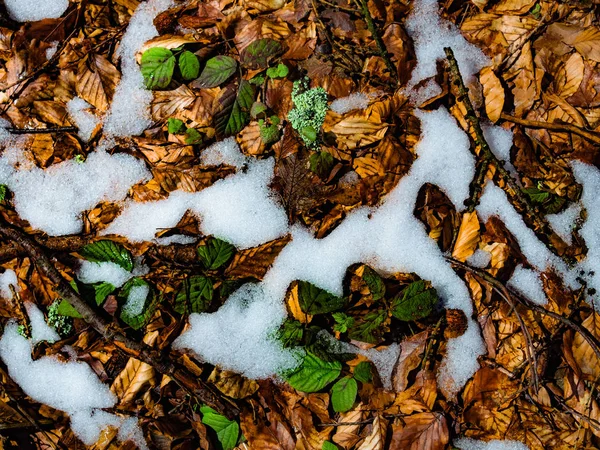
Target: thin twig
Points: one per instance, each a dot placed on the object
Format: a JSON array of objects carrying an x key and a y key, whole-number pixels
[
  {"x": 42, "y": 130},
  {"x": 112, "y": 332},
  {"x": 560, "y": 127}
]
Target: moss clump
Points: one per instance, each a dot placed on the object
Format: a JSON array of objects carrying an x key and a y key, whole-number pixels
[
  {"x": 62, "y": 324},
  {"x": 308, "y": 114}
]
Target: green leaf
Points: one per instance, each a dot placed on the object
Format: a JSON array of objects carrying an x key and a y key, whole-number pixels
[
  {"x": 189, "y": 66},
  {"x": 234, "y": 112},
  {"x": 362, "y": 372},
  {"x": 3, "y": 192},
  {"x": 157, "y": 67},
  {"x": 329, "y": 446},
  {"x": 314, "y": 300},
  {"x": 139, "y": 320},
  {"x": 309, "y": 134},
  {"x": 257, "y": 109},
  {"x": 65, "y": 309},
  {"x": 290, "y": 334},
  {"x": 175, "y": 126},
  {"x": 102, "y": 290},
  {"x": 417, "y": 302},
  {"x": 281, "y": 71},
  {"x": 536, "y": 195},
  {"x": 258, "y": 54},
  {"x": 108, "y": 251},
  {"x": 554, "y": 204},
  {"x": 374, "y": 282},
  {"x": 216, "y": 71},
  {"x": 228, "y": 431},
  {"x": 215, "y": 253},
  {"x": 369, "y": 327},
  {"x": 257, "y": 80},
  {"x": 192, "y": 136},
  {"x": 343, "y": 394},
  {"x": 195, "y": 295},
  {"x": 321, "y": 163},
  {"x": 342, "y": 322},
  {"x": 314, "y": 374}
]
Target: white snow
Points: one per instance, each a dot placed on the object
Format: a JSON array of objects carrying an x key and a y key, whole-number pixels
[
  {"x": 53, "y": 199},
  {"x": 358, "y": 100},
  {"x": 34, "y": 10},
  {"x": 90, "y": 272},
  {"x": 134, "y": 305},
  {"x": 71, "y": 387},
  {"x": 431, "y": 34},
  {"x": 564, "y": 222},
  {"x": 226, "y": 151},
  {"x": 79, "y": 113},
  {"x": 51, "y": 51},
  {"x": 40, "y": 330},
  {"x": 472, "y": 444},
  {"x": 240, "y": 209},
  {"x": 129, "y": 114},
  {"x": 528, "y": 283},
  {"x": 389, "y": 238},
  {"x": 479, "y": 259},
  {"x": 8, "y": 278}
]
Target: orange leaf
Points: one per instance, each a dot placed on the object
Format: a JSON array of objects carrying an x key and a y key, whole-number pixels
[
  {"x": 468, "y": 237},
  {"x": 421, "y": 431},
  {"x": 493, "y": 93}
]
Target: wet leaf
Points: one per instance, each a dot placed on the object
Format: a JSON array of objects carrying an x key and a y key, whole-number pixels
[
  {"x": 216, "y": 72},
  {"x": 235, "y": 103},
  {"x": 157, "y": 66}
]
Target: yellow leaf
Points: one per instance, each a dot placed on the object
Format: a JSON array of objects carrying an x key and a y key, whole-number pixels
[
  {"x": 293, "y": 303},
  {"x": 571, "y": 76},
  {"x": 366, "y": 166},
  {"x": 375, "y": 440},
  {"x": 132, "y": 380},
  {"x": 588, "y": 43},
  {"x": 232, "y": 384},
  {"x": 493, "y": 93},
  {"x": 468, "y": 237},
  {"x": 585, "y": 357}
]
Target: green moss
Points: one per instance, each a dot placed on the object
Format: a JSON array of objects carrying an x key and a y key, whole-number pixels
[
  {"x": 310, "y": 108},
  {"x": 62, "y": 324}
]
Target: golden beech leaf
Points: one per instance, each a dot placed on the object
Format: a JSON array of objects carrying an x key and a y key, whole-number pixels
[
  {"x": 254, "y": 262},
  {"x": 587, "y": 43},
  {"x": 347, "y": 436},
  {"x": 572, "y": 76},
  {"x": 250, "y": 140},
  {"x": 468, "y": 237},
  {"x": 293, "y": 303},
  {"x": 412, "y": 349},
  {"x": 376, "y": 439},
  {"x": 493, "y": 93},
  {"x": 367, "y": 166},
  {"x": 232, "y": 384},
  {"x": 514, "y": 6},
  {"x": 421, "y": 431},
  {"x": 132, "y": 380},
  {"x": 265, "y": 5},
  {"x": 583, "y": 354}
]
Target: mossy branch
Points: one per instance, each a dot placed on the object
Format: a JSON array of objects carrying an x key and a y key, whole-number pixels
[
  {"x": 381, "y": 49},
  {"x": 486, "y": 158}
]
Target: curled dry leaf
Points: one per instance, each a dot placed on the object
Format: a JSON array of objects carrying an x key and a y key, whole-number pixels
[
  {"x": 584, "y": 355},
  {"x": 468, "y": 237},
  {"x": 421, "y": 431},
  {"x": 376, "y": 439},
  {"x": 232, "y": 384},
  {"x": 493, "y": 93}
]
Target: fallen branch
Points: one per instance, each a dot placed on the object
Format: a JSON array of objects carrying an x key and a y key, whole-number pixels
[
  {"x": 113, "y": 333},
  {"x": 560, "y": 127},
  {"x": 499, "y": 286},
  {"x": 42, "y": 130},
  {"x": 487, "y": 157}
]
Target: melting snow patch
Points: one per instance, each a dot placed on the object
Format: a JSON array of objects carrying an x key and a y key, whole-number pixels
[
  {"x": 71, "y": 387},
  {"x": 136, "y": 300},
  {"x": 431, "y": 34},
  {"x": 226, "y": 151},
  {"x": 34, "y": 10},
  {"x": 53, "y": 199},
  {"x": 563, "y": 223},
  {"x": 479, "y": 259},
  {"x": 528, "y": 283},
  {"x": 358, "y": 100},
  {"x": 85, "y": 121},
  {"x": 129, "y": 113},
  {"x": 40, "y": 330},
  {"x": 8, "y": 279},
  {"x": 472, "y": 444}
]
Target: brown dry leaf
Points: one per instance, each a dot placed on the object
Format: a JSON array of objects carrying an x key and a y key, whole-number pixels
[
  {"x": 587, "y": 43},
  {"x": 376, "y": 439},
  {"x": 168, "y": 103},
  {"x": 421, "y": 431},
  {"x": 134, "y": 377},
  {"x": 250, "y": 140},
  {"x": 293, "y": 303},
  {"x": 261, "y": 436},
  {"x": 570, "y": 77},
  {"x": 468, "y": 237},
  {"x": 367, "y": 166},
  {"x": 514, "y": 6},
  {"x": 411, "y": 350},
  {"x": 348, "y": 435},
  {"x": 97, "y": 79},
  {"x": 584, "y": 355},
  {"x": 493, "y": 93},
  {"x": 264, "y": 5},
  {"x": 232, "y": 384},
  {"x": 357, "y": 129},
  {"x": 254, "y": 262}
]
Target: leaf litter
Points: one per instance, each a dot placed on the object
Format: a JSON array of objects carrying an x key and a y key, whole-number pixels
[{"x": 314, "y": 258}]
